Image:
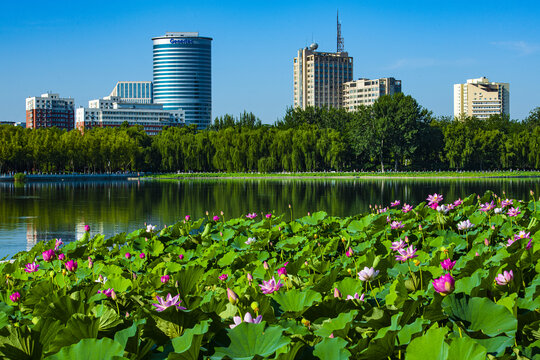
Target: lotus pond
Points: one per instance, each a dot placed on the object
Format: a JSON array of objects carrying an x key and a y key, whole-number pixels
[{"x": 429, "y": 281}]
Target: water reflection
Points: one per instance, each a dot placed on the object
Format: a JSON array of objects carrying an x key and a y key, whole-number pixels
[{"x": 42, "y": 211}]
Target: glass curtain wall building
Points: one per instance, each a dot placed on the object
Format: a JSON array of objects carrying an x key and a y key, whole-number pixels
[
  {"x": 133, "y": 91},
  {"x": 183, "y": 75}
]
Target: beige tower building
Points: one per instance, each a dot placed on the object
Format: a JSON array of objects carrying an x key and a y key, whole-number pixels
[
  {"x": 481, "y": 98},
  {"x": 366, "y": 91},
  {"x": 319, "y": 77}
]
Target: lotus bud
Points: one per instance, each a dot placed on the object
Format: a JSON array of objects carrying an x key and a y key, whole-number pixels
[
  {"x": 255, "y": 306},
  {"x": 142, "y": 255},
  {"x": 306, "y": 263},
  {"x": 289, "y": 206},
  {"x": 187, "y": 217},
  {"x": 206, "y": 212},
  {"x": 233, "y": 297},
  {"x": 532, "y": 193},
  {"x": 250, "y": 278},
  {"x": 165, "y": 278},
  {"x": 349, "y": 252},
  {"x": 87, "y": 228},
  {"x": 420, "y": 227},
  {"x": 176, "y": 283},
  {"x": 331, "y": 336},
  {"x": 265, "y": 265},
  {"x": 181, "y": 256},
  {"x": 486, "y": 242},
  {"x": 477, "y": 254},
  {"x": 128, "y": 255},
  {"x": 61, "y": 257},
  {"x": 90, "y": 262},
  {"x": 337, "y": 293},
  {"x": 113, "y": 295},
  {"x": 406, "y": 239}
]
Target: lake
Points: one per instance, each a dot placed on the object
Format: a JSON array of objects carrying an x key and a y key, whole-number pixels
[{"x": 42, "y": 211}]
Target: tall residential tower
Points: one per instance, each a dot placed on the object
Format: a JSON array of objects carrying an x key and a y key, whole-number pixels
[
  {"x": 183, "y": 75},
  {"x": 481, "y": 98}
]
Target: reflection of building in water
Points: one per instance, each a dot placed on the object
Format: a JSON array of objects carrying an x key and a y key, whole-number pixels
[{"x": 35, "y": 235}]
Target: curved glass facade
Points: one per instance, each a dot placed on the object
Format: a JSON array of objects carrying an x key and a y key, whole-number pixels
[{"x": 183, "y": 75}]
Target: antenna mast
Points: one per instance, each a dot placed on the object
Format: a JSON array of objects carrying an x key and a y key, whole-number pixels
[{"x": 340, "y": 45}]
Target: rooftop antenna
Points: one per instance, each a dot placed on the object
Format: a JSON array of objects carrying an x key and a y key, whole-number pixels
[{"x": 340, "y": 45}]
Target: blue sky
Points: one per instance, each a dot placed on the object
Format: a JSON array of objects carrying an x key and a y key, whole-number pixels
[{"x": 81, "y": 49}]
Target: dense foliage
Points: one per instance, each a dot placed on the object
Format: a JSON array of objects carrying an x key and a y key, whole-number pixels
[
  {"x": 434, "y": 281},
  {"x": 395, "y": 132}
]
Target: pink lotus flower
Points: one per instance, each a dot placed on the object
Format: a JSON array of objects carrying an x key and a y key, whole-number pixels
[
  {"x": 356, "y": 297},
  {"x": 71, "y": 265},
  {"x": 434, "y": 199},
  {"x": 368, "y": 274},
  {"x": 216, "y": 218},
  {"x": 15, "y": 297},
  {"x": 349, "y": 252},
  {"x": 487, "y": 206},
  {"x": 406, "y": 208},
  {"x": 165, "y": 278},
  {"x": 465, "y": 225},
  {"x": 247, "y": 319},
  {"x": 406, "y": 253},
  {"x": 444, "y": 285},
  {"x": 48, "y": 255},
  {"x": 383, "y": 210},
  {"x": 223, "y": 277},
  {"x": 448, "y": 264},
  {"x": 458, "y": 202},
  {"x": 57, "y": 244},
  {"x": 108, "y": 293},
  {"x": 513, "y": 212},
  {"x": 506, "y": 202},
  {"x": 282, "y": 271},
  {"x": 396, "y": 225},
  {"x": 61, "y": 257},
  {"x": 504, "y": 278},
  {"x": 233, "y": 297},
  {"x": 142, "y": 255},
  {"x": 87, "y": 228},
  {"x": 168, "y": 302},
  {"x": 398, "y": 245},
  {"x": 510, "y": 242},
  {"x": 270, "y": 286},
  {"x": 522, "y": 235},
  {"x": 395, "y": 203},
  {"x": 31, "y": 267},
  {"x": 128, "y": 255},
  {"x": 337, "y": 293},
  {"x": 181, "y": 256},
  {"x": 251, "y": 216},
  {"x": 268, "y": 216}
]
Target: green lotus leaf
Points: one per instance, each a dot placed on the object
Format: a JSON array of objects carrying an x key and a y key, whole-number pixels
[
  {"x": 350, "y": 286},
  {"x": 123, "y": 336},
  {"x": 407, "y": 332},
  {"x": 227, "y": 259},
  {"x": 398, "y": 293},
  {"x": 481, "y": 314},
  {"x": 314, "y": 219},
  {"x": 291, "y": 243},
  {"x": 118, "y": 283},
  {"x": 78, "y": 327},
  {"x": 466, "y": 348},
  {"x": 188, "y": 278},
  {"x": 249, "y": 340},
  {"x": 4, "y": 320},
  {"x": 343, "y": 321},
  {"x": 108, "y": 318},
  {"x": 188, "y": 346},
  {"x": 90, "y": 349},
  {"x": 334, "y": 349},
  {"x": 429, "y": 346},
  {"x": 356, "y": 226},
  {"x": 496, "y": 345},
  {"x": 296, "y": 300}
]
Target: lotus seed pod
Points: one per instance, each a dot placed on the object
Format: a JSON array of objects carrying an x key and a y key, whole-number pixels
[
  {"x": 255, "y": 306},
  {"x": 283, "y": 276},
  {"x": 51, "y": 274},
  {"x": 306, "y": 322},
  {"x": 64, "y": 272}
]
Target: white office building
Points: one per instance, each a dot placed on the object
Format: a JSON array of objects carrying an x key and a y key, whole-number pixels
[
  {"x": 481, "y": 98},
  {"x": 366, "y": 91},
  {"x": 112, "y": 111}
]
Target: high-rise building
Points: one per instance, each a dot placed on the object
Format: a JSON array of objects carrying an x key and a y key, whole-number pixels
[
  {"x": 133, "y": 91},
  {"x": 481, "y": 98},
  {"x": 183, "y": 75},
  {"x": 319, "y": 76},
  {"x": 111, "y": 111},
  {"x": 366, "y": 91},
  {"x": 50, "y": 110}
]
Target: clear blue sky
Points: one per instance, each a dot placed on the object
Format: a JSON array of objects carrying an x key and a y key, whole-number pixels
[{"x": 81, "y": 48}]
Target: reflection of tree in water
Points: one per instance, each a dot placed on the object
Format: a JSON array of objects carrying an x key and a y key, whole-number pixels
[{"x": 61, "y": 209}]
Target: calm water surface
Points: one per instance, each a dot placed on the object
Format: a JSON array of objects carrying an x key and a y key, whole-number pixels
[{"x": 42, "y": 211}]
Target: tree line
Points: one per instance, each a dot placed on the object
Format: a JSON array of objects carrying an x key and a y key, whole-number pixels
[{"x": 395, "y": 132}]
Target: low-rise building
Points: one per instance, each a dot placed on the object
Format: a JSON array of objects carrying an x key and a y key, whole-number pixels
[
  {"x": 366, "y": 91},
  {"x": 50, "y": 110},
  {"x": 112, "y": 111}
]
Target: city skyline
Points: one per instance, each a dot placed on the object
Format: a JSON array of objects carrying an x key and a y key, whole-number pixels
[{"x": 81, "y": 52}]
